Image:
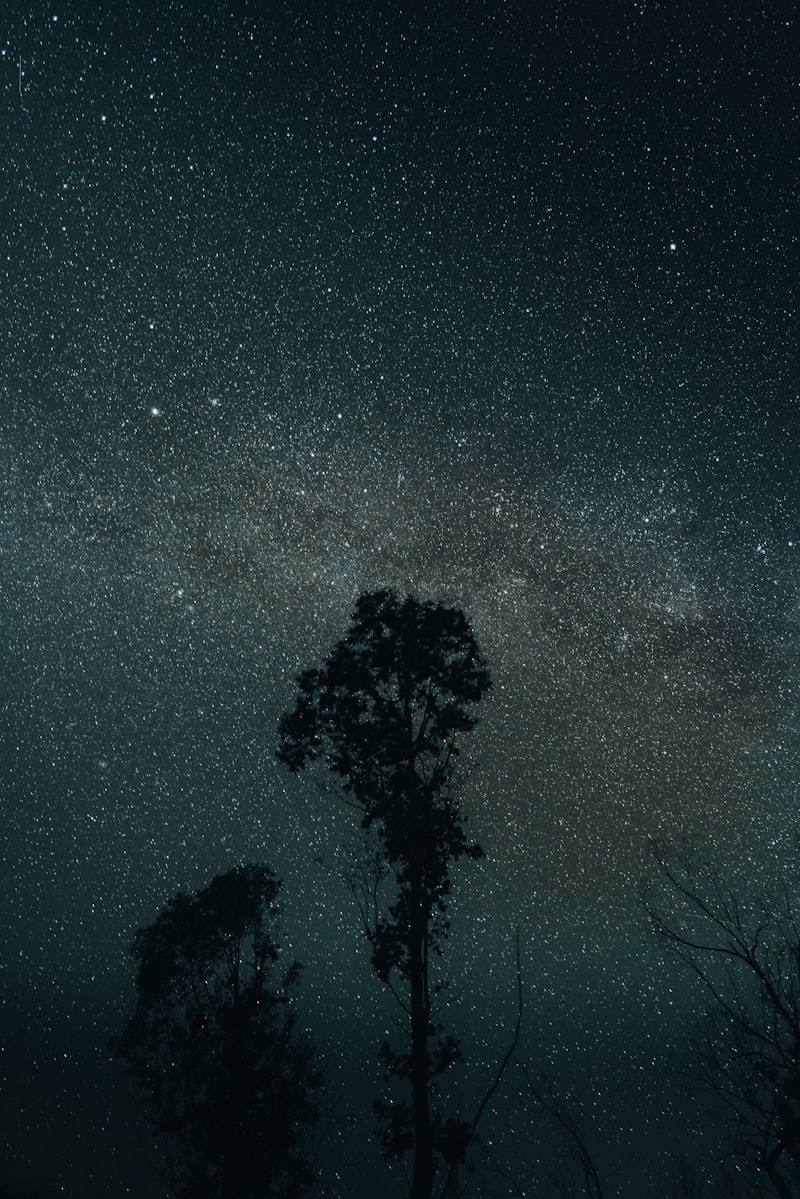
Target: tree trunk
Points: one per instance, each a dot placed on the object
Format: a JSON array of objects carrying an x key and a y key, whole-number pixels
[
  {"x": 234, "y": 1055},
  {"x": 769, "y": 1163},
  {"x": 422, "y": 1178}
]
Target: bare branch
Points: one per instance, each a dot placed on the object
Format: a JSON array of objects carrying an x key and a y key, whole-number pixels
[
  {"x": 500, "y": 1071},
  {"x": 747, "y": 1052}
]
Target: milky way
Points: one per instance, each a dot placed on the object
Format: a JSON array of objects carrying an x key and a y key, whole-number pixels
[{"x": 494, "y": 305}]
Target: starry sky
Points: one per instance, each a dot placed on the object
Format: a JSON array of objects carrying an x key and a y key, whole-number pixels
[{"x": 491, "y": 302}]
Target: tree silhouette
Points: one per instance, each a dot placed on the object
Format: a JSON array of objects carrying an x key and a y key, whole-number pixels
[
  {"x": 384, "y": 715},
  {"x": 218, "y": 1067},
  {"x": 746, "y": 955}
]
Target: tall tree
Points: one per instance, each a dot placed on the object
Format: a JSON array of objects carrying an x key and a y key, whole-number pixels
[
  {"x": 219, "y": 1069},
  {"x": 385, "y": 715}
]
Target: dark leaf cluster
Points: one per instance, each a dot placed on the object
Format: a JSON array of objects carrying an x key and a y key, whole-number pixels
[
  {"x": 217, "y": 1064},
  {"x": 384, "y": 716}
]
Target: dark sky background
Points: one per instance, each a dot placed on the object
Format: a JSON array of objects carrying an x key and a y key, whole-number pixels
[{"x": 496, "y": 303}]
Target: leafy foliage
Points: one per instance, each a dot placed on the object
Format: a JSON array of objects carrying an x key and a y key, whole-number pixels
[
  {"x": 384, "y": 715},
  {"x": 218, "y": 1069}
]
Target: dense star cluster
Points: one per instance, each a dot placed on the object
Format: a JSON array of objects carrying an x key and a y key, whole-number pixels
[{"x": 494, "y": 304}]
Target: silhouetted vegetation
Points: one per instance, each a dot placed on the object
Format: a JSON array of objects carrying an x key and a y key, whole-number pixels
[
  {"x": 218, "y": 1067},
  {"x": 746, "y": 955},
  {"x": 229, "y": 1085},
  {"x": 384, "y": 715},
  {"x": 580, "y": 1173}
]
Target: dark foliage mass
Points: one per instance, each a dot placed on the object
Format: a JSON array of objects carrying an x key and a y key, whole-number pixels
[
  {"x": 218, "y": 1066},
  {"x": 384, "y": 715}
]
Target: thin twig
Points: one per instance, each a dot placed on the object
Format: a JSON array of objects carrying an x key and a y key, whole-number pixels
[{"x": 498, "y": 1076}]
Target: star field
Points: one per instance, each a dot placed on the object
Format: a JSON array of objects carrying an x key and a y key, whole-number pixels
[{"x": 495, "y": 304}]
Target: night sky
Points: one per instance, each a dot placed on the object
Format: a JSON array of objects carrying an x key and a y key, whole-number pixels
[{"x": 491, "y": 302}]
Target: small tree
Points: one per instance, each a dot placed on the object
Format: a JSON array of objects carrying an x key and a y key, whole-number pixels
[
  {"x": 746, "y": 955},
  {"x": 384, "y": 715},
  {"x": 218, "y": 1068}
]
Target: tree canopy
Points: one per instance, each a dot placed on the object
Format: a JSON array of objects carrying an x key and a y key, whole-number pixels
[
  {"x": 384, "y": 715},
  {"x": 218, "y": 1067}
]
